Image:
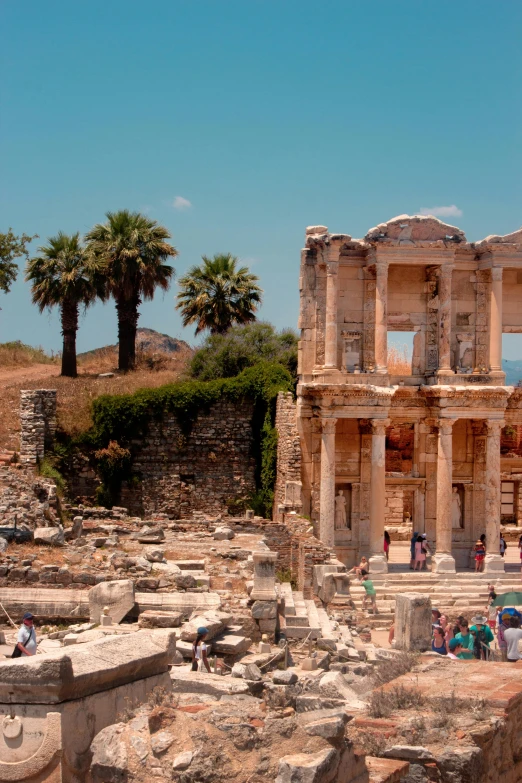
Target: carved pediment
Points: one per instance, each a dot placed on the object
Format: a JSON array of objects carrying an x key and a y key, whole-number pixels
[{"x": 413, "y": 229}]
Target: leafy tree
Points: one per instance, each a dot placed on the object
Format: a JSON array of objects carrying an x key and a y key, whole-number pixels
[
  {"x": 11, "y": 247},
  {"x": 62, "y": 276},
  {"x": 226, "y": 355},
  {"x": 216, "y": 295},
  {"x": 134, "y": 250}
]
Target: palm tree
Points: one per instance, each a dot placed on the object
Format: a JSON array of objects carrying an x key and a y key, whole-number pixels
[
  {"x": 63, "y": 277},
  {"x": 216, "y": 295},
  {"x": 134, "y": 250}
]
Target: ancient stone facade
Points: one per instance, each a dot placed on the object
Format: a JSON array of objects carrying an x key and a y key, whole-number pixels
[
  {"x": 38, "y": 423},
  {"x": 425, "y": 445}
]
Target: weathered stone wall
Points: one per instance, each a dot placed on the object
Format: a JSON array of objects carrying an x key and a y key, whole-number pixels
[
  {"x": 288, "y": 482},
  {"x": 38, "y": 423}
]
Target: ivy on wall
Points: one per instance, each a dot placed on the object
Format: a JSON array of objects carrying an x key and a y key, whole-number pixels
[{"x": 118, "y": 420}]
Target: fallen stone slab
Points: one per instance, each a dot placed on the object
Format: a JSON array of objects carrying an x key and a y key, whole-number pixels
[
  {"x": 314, "y": 703},
  {"x": 230, "y": 644},
  {"x": 52, "y": 536},
  {"x": 118, "y": 596},
  {"x": 84, "y": 669},
  {"x": 309, "y": 767},
  {"x": 158, "y": 619},
  {"x": 328, "y": 724},
  {"x": 409, "y": 753},
  {"x": 209, "y": 684}
]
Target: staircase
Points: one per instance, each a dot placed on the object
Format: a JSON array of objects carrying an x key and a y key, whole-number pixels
[
  {"x": 301, "y": 616},
  {"x": 463, "y": 593}
]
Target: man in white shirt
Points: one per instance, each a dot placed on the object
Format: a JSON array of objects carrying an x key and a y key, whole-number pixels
[
  {"x": 26, "y": 640},
  {"x": 512, "y": 636}
]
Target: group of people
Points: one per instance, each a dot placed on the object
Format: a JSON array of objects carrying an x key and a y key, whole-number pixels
[{"x": 466, "y": 640}]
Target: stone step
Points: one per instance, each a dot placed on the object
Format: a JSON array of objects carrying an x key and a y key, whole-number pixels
[
  {"x": 286, "y": 593},
  {"x": 302, "y": 632},
  {"x": 298, "y": 620},
  {"x": 325, "y": 624},
  {"x": 313, "y": 617},
  {"x": 190, "y": 565}
]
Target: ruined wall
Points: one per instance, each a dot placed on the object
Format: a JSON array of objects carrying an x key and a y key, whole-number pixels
[
  {"x": 38, "y": 423},
  {"x": 208, "y": 470},
  {"x": 288, "y": 455}
]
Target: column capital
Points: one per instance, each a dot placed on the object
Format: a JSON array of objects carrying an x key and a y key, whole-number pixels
[
  {"x": 332, "y": 268},
  {"x": 328, "y": 426},
  {"x": 446, "y": 426},
  {"x": 381, "y": 266},
  {"x": 494, "y": 426},
  {"x": 496, "y": 273},
  {"x": 445, "y": 270},
  {"x": 379, "y": 426}
]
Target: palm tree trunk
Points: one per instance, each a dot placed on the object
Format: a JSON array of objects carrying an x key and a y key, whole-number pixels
[
  {"x": 127, "y": 309},
  {"x": 69, "y": 314}
]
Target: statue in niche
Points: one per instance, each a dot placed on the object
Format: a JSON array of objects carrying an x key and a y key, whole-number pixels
[
  {"x": 456, "y": 509},
  {"x": 340, "y": 511}
]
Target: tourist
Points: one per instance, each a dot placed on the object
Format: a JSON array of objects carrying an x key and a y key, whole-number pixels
[
  {"x": 504, "y": 622},
  {"x": 512, "y": 635},
  {"x": 482, "y": 635},
  {"x": 370, "y": 593},
  {"x": 503, "y": 545},
  {"x": 480, "y": 554},
  {"x": 435, "y": 617},
  {"x": 446, "y": 627},
  {"x": 455, "y": 649},
  {"x": 466, "y": 639},
  {"x": 413, "y": 541},
  {"x": 387, "y": 542},
  {"x": 438, "y": 643},
  {"x": 26, "y": 639},
  {"x": 199, "y": 651},
  {"x": 420, "y": 553},
  {"x": 363, "y": 566},
  {"x": 426, "y": 551},
  {"x": 492, "y": 610},
  {"x": 520, "y": 550}
]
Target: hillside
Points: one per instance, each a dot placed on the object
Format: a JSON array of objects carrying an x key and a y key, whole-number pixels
[{"x": 148, "y": 341}]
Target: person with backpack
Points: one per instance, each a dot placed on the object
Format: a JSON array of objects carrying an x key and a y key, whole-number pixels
[
  {"x": 482, "y": 636},
  {"x": 199, "y": 651},
  {"x": 26, "y": 640}
]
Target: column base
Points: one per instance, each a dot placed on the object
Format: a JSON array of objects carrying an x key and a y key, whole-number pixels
[
  {"x": 494, "y": 564},
  {"x": 443, "y": 564},
  {"x": 378, "y": 564}
]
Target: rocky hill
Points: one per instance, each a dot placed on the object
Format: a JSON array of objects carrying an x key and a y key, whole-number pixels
[{"x": 147, "y": 340}]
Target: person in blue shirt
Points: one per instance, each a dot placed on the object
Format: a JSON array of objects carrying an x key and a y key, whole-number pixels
[{"x": 438, "y": 643}]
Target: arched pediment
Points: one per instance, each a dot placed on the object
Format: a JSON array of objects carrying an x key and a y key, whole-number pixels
[{"x": 410, "y": 229}]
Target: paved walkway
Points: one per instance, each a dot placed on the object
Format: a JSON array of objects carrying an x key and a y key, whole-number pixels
[{"x": 400, "y": 558}]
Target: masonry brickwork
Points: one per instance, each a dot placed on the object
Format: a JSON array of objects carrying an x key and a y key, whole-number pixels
[
  {"x": 38, "y": 423},
  {"x": 287, "y": 491}
]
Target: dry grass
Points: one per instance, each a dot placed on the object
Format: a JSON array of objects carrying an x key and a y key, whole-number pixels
[
  {"x": 47, "y": 555},
  {"x": 16, "y": 354},
  {"x": 399, "y": 360},
  {"x": 76, "y": 394}
]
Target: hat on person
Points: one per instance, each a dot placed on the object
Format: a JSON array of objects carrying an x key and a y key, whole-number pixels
[
  {"x": 28, "y": 616},
  {"x": 454, "y": 643},
  {"x": 479, "y": 620},
  {"x": 202, "y": 630},
  {"x": 423, "y": 535}
]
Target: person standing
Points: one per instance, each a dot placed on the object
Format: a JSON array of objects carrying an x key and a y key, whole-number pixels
[
  {"x": 503, "y": 545},
  {"x": 466, "y": 639},
  {"x": 426, "y": 551},
  {"x": 480, "y": 554},
  {"x": 420, "y": 553},
  {"x": 438, "y": 643},
  {"x": 199, "y": 651},
  {"x": 504, "y": 622},
  {"x": 26, "y": 640},
  {"x": 520, "y": 551},
  {"x": 370, "y": 593},
  {"x": 387, "y": 542},
  {"x": 492, "y": 610},
  {"x": 512, "y": 635},
  {"x": 482, "y": 635}
]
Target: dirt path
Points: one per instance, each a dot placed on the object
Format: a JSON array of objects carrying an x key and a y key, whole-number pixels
[{"x": 17, "y": 374}]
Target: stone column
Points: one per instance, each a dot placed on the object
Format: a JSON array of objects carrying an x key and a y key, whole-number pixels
[
  {"x": 381, "y": 317},
  {"x": 415, "y": 462},
  {"x": 377, "y": 560},
  {"x": 495, "y": 321},
  {"x": 327, "y": 499},
  {"x": 418, "y": 522},
  {"x": 330, "y": 334},
  {"x": 445, "y": 274},
  {"x": 494, "y": 562},
  {"x": 443, "y": 561}
]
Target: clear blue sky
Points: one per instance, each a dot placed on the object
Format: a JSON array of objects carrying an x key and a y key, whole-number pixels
[{"x": 266, "y": 116}]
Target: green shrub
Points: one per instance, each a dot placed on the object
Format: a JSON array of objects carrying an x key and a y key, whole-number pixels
[
  {"x": 227, "y": 355},
  {"x": 48, "y": 469}
]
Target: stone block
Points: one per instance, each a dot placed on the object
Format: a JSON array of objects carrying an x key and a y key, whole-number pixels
[
  {"x": 109, "y": 755},
  {"x": 413, "y": 627},
  {"x": 84, "y": 578},
  {"x": 117, "y": 595},
  {"x": 264, "y": 610},
  {"x": 230, "y": 644},
  {"x": 223, "y": 534},
  {"x": 210, "y": 684},
  {"x": 318, "y": 767},
  {"x": 157, "y": 619},
  {"x": 210, "y": 621},
  {"x": 52, "y": 536}
]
